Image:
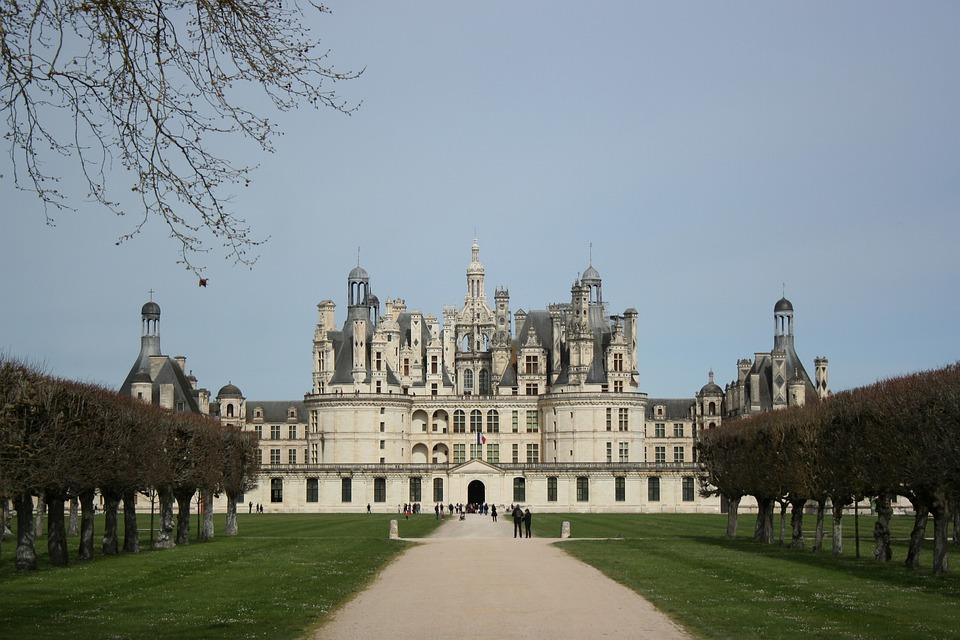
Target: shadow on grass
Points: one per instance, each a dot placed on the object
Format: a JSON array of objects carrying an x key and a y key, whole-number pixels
[{"x": 892, "y": 573}]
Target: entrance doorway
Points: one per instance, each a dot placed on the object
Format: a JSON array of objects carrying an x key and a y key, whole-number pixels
[{"x": 476, "y": 492}]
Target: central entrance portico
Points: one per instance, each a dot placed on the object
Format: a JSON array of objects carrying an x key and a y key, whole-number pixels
[{"x": 476, "y": 492}]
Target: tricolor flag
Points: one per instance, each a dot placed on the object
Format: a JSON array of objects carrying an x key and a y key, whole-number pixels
[{"x": 481, "y": 439}]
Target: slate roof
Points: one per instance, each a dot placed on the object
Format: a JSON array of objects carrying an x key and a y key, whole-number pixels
[
  {"x": 276, "y": 410},
  {"x": 675, "y": 408}
]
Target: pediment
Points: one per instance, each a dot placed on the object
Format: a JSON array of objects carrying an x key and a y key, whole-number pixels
[{"x": 476, "y": 466}]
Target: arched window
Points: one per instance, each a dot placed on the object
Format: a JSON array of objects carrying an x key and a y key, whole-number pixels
[
  {"x": 459, "y": 421},
  {"x": 229, "y": 409},
  {"x": 484, "y": 381},
  {"x": 712, "y": 425},
  {"x": 493, "y": 421},
  {"x": 476, "y": 421},
  {"x": 468, "y": 379},
  {"x": 712, "y": 408}
]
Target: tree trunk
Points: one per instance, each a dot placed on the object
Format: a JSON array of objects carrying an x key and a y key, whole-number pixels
[
  {"x": 206, "y": 533},
  {"x": 86, "y": 525},
  {"x": 5, "y": 518},
  {"x": 56, "y": 531},
  {"x": 783, "y": 518},
  {"x": 74, "y": 529},
  {"x": 881, "y": 529},
  {"x": 763, "y": 532},
  {"x": 837, "y": 528},
  {"x": 231, "y": 528},
  {"x": 111, "y": 500},
  {"x": 131, "y": 535},
  {"x": 733, "y": 505},
  {"x": 796, "y": 522},
  {"x": 38, "y": 519},
  {"x": 183, "y": 514},
  {"x": 941, "y": 517},
  {"x": 818, "y": 535},
  {"x": 26, "y": 554},
  {"x": 165, "y": 534},
  {"x": 956, "y": 522}
]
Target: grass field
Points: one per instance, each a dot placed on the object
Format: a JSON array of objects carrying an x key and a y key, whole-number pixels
[
  {"x": 278, "y": 578},
  {"x": 721, "y": 588}
]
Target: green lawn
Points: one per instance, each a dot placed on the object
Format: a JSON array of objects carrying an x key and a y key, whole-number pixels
[
  {"x": 719, "y": 588},
  {"x": 278, "y": 578}
]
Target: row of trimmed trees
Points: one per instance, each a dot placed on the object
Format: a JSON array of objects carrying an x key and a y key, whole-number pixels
[
  {"x": 65, "y": 441},
  {"x": 898, "y": 437}
]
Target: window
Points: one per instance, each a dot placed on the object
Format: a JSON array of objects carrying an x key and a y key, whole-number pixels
[
  {"x": 493, "y": 421},
  {"x": 379, "y": 387},
  {"x": 314, "y": 453},
  {"x": 406, "y": 366},
  {"x": 415, "y": 489},
  {"x": 476, "y": 421},
  {"x": 659, "y": 411},
  {"x": 383, "y": 444},
  {"x": 623, "y": 419},
  {"x": 624, "y": 452},
  {"x": 433, "y": 388},
  {"x": 180, "y": 407},
  {"x": 519, "y": 489},
  {"x": 383, "y": 427},
  {"x": 653, "y": 489},
  {"x": 313, "y": 490},
  {"x": 609, "y": 419},
  {"x": 532, "y": 389},
  {"x": 515, "y": 453},
  {"x": 583, "y": 489},
  {"x": 533, "y": 453},
  {"x": 660, "y": 430},
  {"x": 438, "y": 489},
  {"x": 484, "y": 381},
  {"x": 609, "y": 452},
  {"x": 618, "y": 362},
  {"x": 618, "y": 386},
  {"x": 459, "y": 421},
  {"x": 515, "y": 421},
  {"x": 379, "y": 361},
  {"x": 712, "y": 409},
  {"x": 230, "y": 410},
  {"x": 459, "y": 453},
  {"x": 276, "y": 489},
  {"x": 379, "y": 489},
  {"x": 533, "y": 421},
  {"x": 531, "y": 365},
  {"x": 291, "y": 456},
  {"x": 493, "y": 453},
  {"x": 687, "y": 486},
  {"x": 274, "y": 456},
  {"x": 552, "y": 489},
  {"x": 468, "y": 380},
  {"x": 433, "y": 364},
  {"x": 476, "y": 451},
  {"x": 260, "y": 456},
  {"x": 678, "y": 454},
  {"x": 346, "y": 490},
  {"x": 677, "y": 429},
  {"x": 620, "y": 488},
  {"x": 275, "y": 432},
  {"x": 259, "y": 431},
  {"x": 660, "y": 455},
  {"x": 292, "y": 432}
]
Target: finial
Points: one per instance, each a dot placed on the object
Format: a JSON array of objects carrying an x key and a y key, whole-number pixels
[
  {"x": 783, "y": 289},
  {"x": 710, "y": 375},
  {"x": 590, "y": 258},
  {"x": 151, "y": 294},
  {"x": 358, "y": 256}
]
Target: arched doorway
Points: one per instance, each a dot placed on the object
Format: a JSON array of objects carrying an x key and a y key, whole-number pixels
[{"x": 476, "y": 492}]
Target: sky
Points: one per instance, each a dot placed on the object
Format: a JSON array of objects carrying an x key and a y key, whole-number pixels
[{"x": 714, "y": 154}]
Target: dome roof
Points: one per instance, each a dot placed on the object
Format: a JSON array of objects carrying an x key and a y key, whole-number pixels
[
  {"x": 711, "y": 388},
  {"x": 229, "y": 391},
  {"x": 590, "y": 275},
  {"x": 783, "y": 305},
  {"x": 141, "y": 376},
  {"x": 358, "y": 273},
  {"x": 150, "y": 309},
  {"x": 373, "y": 300}
]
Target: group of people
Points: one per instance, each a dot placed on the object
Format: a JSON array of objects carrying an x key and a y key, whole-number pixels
[
  {"x": 409, "y": 509},
  {"x": 250, "y": 508},
  {"x": 521, "y": 518}
]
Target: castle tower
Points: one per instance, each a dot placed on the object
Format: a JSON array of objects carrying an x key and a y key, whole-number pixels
[
  {"x": 502, "y": 298},
  {"x": 475, "y": 274},
  {"x": 150, "y": 324},
  {"x": 782, "y": 324},
  {"x": 821, "y": 377}
]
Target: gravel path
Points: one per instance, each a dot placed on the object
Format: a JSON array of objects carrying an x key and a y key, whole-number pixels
[{"x": 471, "y": 579}]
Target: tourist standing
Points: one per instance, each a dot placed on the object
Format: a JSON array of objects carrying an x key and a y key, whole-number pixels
[
  {"x": 368, "y": 507},
  {"x": 250, "y": 507},
  {"x": 436, "y": 511},
  {"x": 517, "y": 521},
  {"x": 527, "y": 517},
  {"x": 493, "y": 512}
]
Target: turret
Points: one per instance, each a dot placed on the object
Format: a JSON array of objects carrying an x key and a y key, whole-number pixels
[
  {"x": 782, "y": 324},
  {"x": 502, "y": 299},
  {"x": 797, "y": 390},
  {"x": 821, "y": 377},
  {"x": 475, "y": 274}
]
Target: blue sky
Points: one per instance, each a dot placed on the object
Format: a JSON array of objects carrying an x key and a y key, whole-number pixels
[{"x": 709, "y": 151}]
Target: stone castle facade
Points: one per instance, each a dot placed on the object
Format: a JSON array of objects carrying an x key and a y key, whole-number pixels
[{"x": 541, "y": 407}]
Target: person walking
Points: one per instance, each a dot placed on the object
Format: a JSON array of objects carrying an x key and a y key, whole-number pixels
[
  {"x": 526, "y": 521},
  {"x": 250, "y": 507},
  {"x": 368, "y": 507},
  {"x": 436, "y": 511},
  {"x": 517, "y": 521},
  {"x": 493, "y": 512}
]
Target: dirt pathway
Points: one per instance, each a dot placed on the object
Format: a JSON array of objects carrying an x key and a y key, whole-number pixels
[{"x": 471, "y": 579}]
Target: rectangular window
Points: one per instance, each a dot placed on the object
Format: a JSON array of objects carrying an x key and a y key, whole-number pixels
[
  {"x": 476, "y": 451},
  {"x": 438, "y": 489},
  {"x": 519, "y": 489},
  {"x": 515, "y": 453},
  {"x": 379, "y": 489},
  {"x": 624, "y": 452},
  {"x": 313, "y": 490},
  {"x": 292, "y": 432},
  {"x": 660, "y": 430},
  {"x": 618, "y": 362},
  {"x": 379, "y": 361},
  {"x": 433, "y": 389},
  {"x": 276, "y": 489},
  {"x": 433, "y": 364},
  {"x": 620, "y": 488},
  {"x": 678, "y": 454},
  {"x": 653, "y": 489},
  {"x": 259, "y": 431},
  {"x": 379, "y": 387},
  {"x": 533, "y": 453},
  {"x": 609, "y": 419},
  {"x": 623, "y": 419},
  {"x": 415, "y": 489},
  {"x": 609, "y": 452},
  {"x": 274, "y": 456},
  {"x": 551, "y": 488},
  {"x": 515, "y": 421},
  {"x": 687, "y": 489},
  {"x": 532, "y": 389},
  {"x": 677, "y": 429},
  {"x": 583, "y": 489},
  {"x": 531, "y": 367},
  {"x": 291, "y": 456},
  {"x": 383, "y": 427},
  {"x": 660, "y": 455},
  {"x": 314, "y": 453},
  {"x": 406, "y": 366},
  {"x": 346, "y": 490},
  {"x": 618, "y": 386},
  {"x": 260, "y": 456},
  {"x": 493, "y": 453},
  {"x": 459, "y": 453},
  {"x": 275, "y": 432},
  {"x": 533, "y": 421}
]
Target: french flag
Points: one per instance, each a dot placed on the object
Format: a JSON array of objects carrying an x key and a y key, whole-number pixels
[{"x": 481, "y": 439}]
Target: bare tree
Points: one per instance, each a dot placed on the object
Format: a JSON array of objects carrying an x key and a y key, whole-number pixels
[{"x": 155, "y": 87}]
